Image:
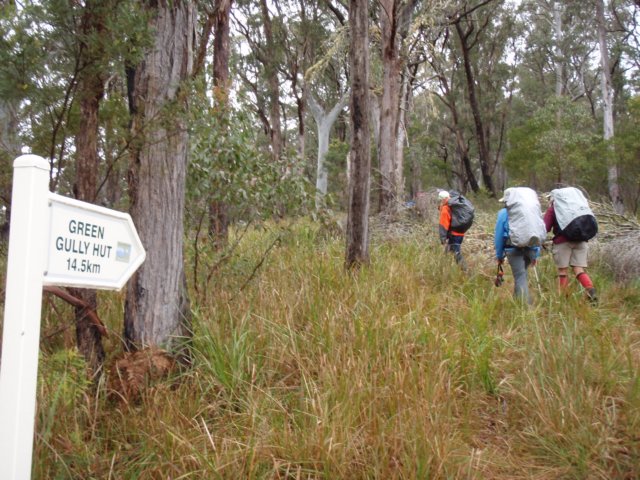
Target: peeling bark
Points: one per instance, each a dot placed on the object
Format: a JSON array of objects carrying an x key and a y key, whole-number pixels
[{"x": 157, "y": 306}]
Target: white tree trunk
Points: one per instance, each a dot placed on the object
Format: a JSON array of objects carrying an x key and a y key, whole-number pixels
[
  {"x": 374, "y": 109},
  {"x": 324, "y": 122},
  {"x": 607, "y": 96},
  {"x": 402, "y": 134},
  {"x": 557, "y": 27}
]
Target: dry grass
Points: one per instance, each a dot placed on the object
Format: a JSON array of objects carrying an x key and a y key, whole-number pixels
[{"x": 405, "y": 369}]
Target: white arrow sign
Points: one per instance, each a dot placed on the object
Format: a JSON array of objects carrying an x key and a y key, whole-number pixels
[
  {"x": 90, "y": 246},
  {"x": 53, "y": 240}
]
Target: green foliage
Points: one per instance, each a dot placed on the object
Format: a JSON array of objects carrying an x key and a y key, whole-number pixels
[
  {"x": 425, "y": 150},
  {"x": 42, "y": 52},
  {"x": 228, "y": 166},
  {"x": 556, "y": 145},
  {"x": 335, "y": 162},
  {"x": 335, "y": 47},
  {"x": 63, "y": 383}
]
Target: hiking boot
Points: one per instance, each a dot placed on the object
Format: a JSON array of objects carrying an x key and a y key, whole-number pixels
[{"x": 592, "y": 295}]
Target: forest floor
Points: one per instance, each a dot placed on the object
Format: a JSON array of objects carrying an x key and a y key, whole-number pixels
[{"x": 407, "y": 368}]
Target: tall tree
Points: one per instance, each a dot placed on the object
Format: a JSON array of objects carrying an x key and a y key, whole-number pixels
[
  {"x": 218, "y": 210},
  {"x": 324, "y": 121},
  {"x": 607, "y": 96},
  {"x": 468, "y": 30},
  {"x": 91, "y": 79},
  {"x": 395, "y": 17},
  {"x": 357, "y": 248},
  {"x": 157, "y": 304},
  {"x": 557, "y": 31},
  {"x": 271, "y": 72},
  {"x": 448, "y": 97}
]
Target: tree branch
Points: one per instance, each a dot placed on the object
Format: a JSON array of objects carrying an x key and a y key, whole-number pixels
[{"x": 88, "y": 311}]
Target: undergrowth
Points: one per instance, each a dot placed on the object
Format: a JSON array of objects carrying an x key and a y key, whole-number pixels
[{"x": 408, "y": 368}]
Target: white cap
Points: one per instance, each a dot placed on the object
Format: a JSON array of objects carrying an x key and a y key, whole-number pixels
[
  {"x": 442, "y": 194},
  {"x": 505, "y": 194}
]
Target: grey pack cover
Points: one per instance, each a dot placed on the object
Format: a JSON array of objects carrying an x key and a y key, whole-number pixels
[
  {"x": 573, "y": 214},
  {"x": 526, "y": 227},
  {"x": 569, "y": 203}
]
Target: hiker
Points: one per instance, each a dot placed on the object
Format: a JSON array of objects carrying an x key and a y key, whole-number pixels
[
  {"x": 569, "y": 244},
  {"x": 452, "y": 240},
  {"x": 519, "y": 233}
]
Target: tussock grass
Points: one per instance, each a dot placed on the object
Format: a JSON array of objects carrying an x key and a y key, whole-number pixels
[{"x": 406, "y": 369}]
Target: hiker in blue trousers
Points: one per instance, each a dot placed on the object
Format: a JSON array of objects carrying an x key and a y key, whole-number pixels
[{"x": 520, "y": 258}]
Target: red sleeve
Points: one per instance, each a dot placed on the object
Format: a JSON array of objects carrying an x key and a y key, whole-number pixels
[{"x": 549, "y": 217}]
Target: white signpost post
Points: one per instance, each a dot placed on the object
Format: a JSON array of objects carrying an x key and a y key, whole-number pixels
[{"x": 53, "y": 240}]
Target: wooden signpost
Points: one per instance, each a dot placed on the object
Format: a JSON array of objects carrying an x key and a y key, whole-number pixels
[{"x": 53, "y": 240}]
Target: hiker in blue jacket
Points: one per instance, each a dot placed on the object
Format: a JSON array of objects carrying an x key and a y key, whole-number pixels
[{"x": 520, "y": 258}]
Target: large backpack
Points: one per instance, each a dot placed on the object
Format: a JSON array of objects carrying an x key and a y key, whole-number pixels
[
  {"x": 526, "y": 227},
  {"x": 462, "y": 212},
  {"x": 575, "y": 219}
]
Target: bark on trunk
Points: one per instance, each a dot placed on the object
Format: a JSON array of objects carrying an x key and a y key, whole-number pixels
[
  {"x": 273, "y": 86},
  {"x": 395, "y": 18},
  {"x": 389, "y": 106},
  {"x": 557, "y": 28},
  {"x": 405, "y": 93},
  {"x": 607, "y": 95},
  {"x": 357, "y": 247},
  {"x": 218, "y": 211},
  {"x": 324, "y": 122},
  {"x": 157, "y": 305},
  {"x": 90, "y": 93}
]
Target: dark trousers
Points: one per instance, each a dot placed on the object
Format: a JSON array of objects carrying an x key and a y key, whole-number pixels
[{"x": 454, "y": 245}]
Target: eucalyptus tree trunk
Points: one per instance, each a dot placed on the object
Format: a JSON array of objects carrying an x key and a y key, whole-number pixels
[
  {"x": 299, "y": 89},
  {"x": 449, "y": 99},
  {"x": 483, "y": 151},
  {"x": 301, "y": 144},
  {"x": 90, "y": 92},
  {"x": 374, "y": 119},
  {"x": 324, "y": 122},
  {"x": 218, "y": 210},
  {"x": 157, "y": 305},
  {"x": 389, "y": 105},
  {"x": 357, "y": 247},
  {"x": 271, "y": 72},
  {"x": 558, "y": 61},
  {"x": 395, "y": 16},
  {"x": 607, "y": 95},
  {"x": 405, "y": 94}
]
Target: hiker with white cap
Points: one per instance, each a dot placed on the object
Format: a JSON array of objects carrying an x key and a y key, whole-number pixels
[
  {"x": 519, "y": 234},
  {"x": 456, "y": 217}
]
